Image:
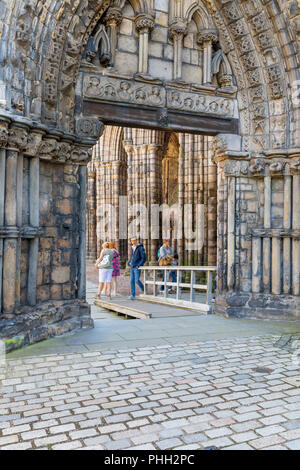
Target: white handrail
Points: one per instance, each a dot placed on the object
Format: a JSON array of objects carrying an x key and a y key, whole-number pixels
[{"x": 192, "y": 286}]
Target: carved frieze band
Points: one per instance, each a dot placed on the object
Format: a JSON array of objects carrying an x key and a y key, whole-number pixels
[
  {"x": 275, "y": 233},
  {"x": 122, "y": 90},
  {"x": 260, "y": 167},
  {"x": 39, "y": 142}
]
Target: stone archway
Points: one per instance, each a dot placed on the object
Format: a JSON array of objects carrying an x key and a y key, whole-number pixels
[{"x": 46, "y": 142}]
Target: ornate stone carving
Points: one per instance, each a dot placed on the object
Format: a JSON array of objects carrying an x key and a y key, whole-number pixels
[
  {"x": 113, "y": 89},
  {"x": 113, "y": 17},
  {"x": 64, "y": 151},
  {"x": 274, "y": 72},
  {"x": 4, "y": 134},
  {"x": 276, "y": 89},
  {"x": 162, "y": 117},
  {"x": 33, "y": 143},
  {"x": 207, "y": 36},
  {"x": 89, "y": 127},
  {"x": 178, "y": 28},
  {"x": 265, "y": 40},
  {"x": 257, "y": 167},
  {"x": 144, "y": 22},
  {"x": 235, "y": 168},
  {"x": 80, "y": 154},
  {"x": 18, "y": 137},
  {"x": 254, "y": 77},
  {"x": 250, "y": 60},
  {"x": 199, "y": 103},
  {"x": 239, "y": 28},
  {"x": 295, "y": 166},
  {"x": 276, "y": 167},
  {"x": 49, "y": 149},
  {"x": 259, "y": 23},
  {"x": 231, "y": 11}
]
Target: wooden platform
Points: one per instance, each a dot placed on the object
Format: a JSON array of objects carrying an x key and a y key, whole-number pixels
[{"x": 144, "y": 310}]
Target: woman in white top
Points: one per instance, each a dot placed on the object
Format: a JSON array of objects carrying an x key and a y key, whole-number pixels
[{"x": 105, "y": 273}]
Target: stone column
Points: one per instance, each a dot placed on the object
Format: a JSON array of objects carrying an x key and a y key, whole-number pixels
[
  {"x": 155, "y": 187},
  {"x": 296, "y": 228},
  {"x": 229, "y": 160},
  {"x": 266, "y": 241},
  {"x": 3, "y": 142},
  {"x": 91, "y": 214},
  {"x": 113, "y": 19},
  {"x": 144, "y": 25},
  {"x": 287, "y": 225},
  {"x": 206, "y": 38},
  {"x": 82, "y": 232},
  {"x": 178, "y": 30},
  {"x": 11, "y": 259}
]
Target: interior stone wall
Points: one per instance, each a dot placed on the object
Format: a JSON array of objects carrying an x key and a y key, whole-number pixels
[{"x": 152, "y": 167}]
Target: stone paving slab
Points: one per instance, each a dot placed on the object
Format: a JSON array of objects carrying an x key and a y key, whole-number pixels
[
  {"x": 111, "y": 333},
  {"x": 181, "y": 396}
]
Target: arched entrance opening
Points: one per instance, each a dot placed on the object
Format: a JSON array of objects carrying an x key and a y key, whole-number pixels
[
  {"x": 228, "y": 70},
  {"x": 136, "y": 170}
]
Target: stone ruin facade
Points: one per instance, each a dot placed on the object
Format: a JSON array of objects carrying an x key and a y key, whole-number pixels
[{"x": 228, "y": 69}]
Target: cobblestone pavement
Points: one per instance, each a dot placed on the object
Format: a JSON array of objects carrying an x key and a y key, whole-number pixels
[{"x": 183, "y": 396}]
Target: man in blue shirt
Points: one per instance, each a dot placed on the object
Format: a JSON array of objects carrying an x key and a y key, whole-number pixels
[{"x": 137, "y": 259}]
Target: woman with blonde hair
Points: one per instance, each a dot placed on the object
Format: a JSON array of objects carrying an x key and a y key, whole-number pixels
[
  {"x": 105, "y": 266},
  {"x": 116, "y": 267}
]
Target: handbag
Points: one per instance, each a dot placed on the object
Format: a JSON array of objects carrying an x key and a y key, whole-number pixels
[
  {"x": 167, "y": 261},
  {"x": 104, "y": 263}
]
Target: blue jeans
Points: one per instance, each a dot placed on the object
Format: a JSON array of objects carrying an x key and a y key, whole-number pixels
[
  {"x": 172, "y": 275},
  {"x": 135, "y": 278}
]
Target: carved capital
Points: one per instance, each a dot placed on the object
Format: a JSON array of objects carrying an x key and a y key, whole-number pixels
[
  {"x": 207, "y": 36},
  {"x": 64, "y": 151},
  {"x": 178, "y": 28},
  {"x": 257, "y": 167},
  {"x": 89, "y": 127},
  {"x": 113, "y": 17},
  {"x": 18, "y": 138},
  {"x": 33, "y": 143},
  {"x": 81, "y": 154},
  {"x": 225, "y": 80},
  {"x": 49, "y": 149},
  {"x": 228, "y": 145},
  {"x": 295, "y": 167},
  {"x": 144, "y": 22},
  {"x": 4, "y": 133}
]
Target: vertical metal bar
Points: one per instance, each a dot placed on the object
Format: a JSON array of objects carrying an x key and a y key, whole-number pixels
[
  {"x": 208, "y": 287},
  {"x": 192, "y": 286},
  {"x": 178, "y": 293},
  {"x": 165, "y": 284}
]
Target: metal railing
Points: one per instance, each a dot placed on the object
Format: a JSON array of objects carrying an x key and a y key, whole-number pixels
[{"x": 186, "y": 291}]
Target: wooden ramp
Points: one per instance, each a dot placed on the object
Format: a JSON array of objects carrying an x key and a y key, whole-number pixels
[{"x": 143, "y": 309}]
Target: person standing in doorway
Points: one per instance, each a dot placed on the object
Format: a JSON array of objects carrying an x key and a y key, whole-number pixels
[
  {"x": 105, "y": 266},
  {"x": 116, "y": 267},
  {"x": 137, "y": 259},
  {"x": 166, "y": 256}
]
